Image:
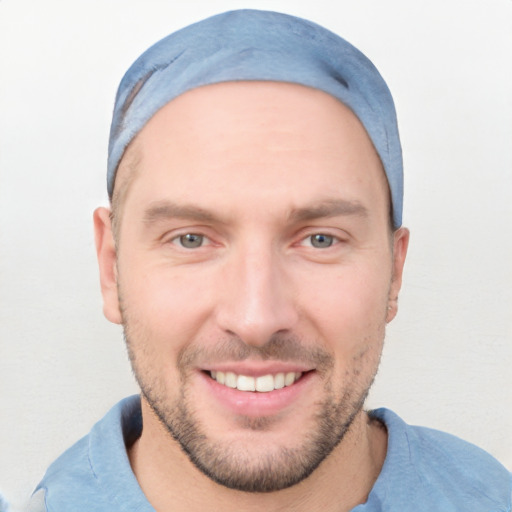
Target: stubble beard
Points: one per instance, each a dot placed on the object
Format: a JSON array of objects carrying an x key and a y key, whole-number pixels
[
  {"x": 264, "y": 472},
  {"x": 251, "y": 470}
]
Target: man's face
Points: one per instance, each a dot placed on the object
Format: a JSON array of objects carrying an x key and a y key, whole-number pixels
[{"x": 254, "y": 251}]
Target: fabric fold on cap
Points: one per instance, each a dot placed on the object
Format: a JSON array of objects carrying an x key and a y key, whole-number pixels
[{"x": 252, "y": 45}]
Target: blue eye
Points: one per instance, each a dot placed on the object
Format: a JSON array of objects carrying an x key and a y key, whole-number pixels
[
  {"x": 321, "y": 241},
  {"x": 191, "y": 240}
]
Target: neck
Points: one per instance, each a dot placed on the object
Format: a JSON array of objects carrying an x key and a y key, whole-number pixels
[{"x": 341, "y": 482}]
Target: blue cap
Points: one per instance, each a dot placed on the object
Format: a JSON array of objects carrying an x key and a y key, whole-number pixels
[{"x": 260, "y": 46}]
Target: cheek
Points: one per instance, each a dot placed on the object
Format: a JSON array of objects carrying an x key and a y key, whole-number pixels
[
  {"x": 162, "y": 294},
  {"x": 157, "y": 321},
  {"x": 348, "y": 310},
  {"x": 161, "y": 311},
  {"x": 347, "y": 297}
]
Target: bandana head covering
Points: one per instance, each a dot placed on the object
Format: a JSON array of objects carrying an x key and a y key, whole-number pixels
[{"x": 261, "y": 46}]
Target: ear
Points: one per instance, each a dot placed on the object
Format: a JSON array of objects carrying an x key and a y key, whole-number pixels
[
  {"x": 106, "y": 252},
  {"x": 400, "y": 245}
]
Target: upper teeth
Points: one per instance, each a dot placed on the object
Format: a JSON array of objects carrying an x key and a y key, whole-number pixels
[{"x": 264, "y": 384}]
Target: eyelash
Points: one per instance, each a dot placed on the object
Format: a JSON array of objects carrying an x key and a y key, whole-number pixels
[{"x": 307, "y": 241}]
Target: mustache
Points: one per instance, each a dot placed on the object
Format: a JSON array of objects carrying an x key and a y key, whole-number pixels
[{"x": 280, "y": 347}]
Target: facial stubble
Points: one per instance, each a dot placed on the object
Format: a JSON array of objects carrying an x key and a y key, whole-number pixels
[{"x": 245, "y": 468}]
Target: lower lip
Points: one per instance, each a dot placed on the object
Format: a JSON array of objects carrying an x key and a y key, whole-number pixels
[{"x": 256, "y": 404}]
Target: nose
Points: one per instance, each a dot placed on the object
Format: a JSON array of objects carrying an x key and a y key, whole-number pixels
[{"x": 257, "y": 300}]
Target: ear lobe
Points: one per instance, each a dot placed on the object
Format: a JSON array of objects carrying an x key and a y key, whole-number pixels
[
  {"x": 400, "y": 245},
  {"x": 106, "y": 253}
]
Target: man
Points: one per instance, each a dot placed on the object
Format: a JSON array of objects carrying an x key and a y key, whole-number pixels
[{"x": 253, "y": 253}]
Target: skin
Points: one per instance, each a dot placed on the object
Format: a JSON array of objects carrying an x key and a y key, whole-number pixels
[{"x": 257, "y": 170}]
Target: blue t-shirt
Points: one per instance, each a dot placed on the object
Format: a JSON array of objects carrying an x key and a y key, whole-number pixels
[{"x": 425, "y": 470}]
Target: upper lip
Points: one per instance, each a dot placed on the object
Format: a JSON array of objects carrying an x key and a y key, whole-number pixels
[{"x": 257, "y": 368}]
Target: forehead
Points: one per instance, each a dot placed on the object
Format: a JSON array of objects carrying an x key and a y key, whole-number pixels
[{"x": 278, "y": 138}]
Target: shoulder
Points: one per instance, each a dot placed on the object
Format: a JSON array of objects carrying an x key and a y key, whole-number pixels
[
  {"x": 66, "y": 480},
  {"x": 443, "y": 469},
  {"x": 95, "y": 472}
]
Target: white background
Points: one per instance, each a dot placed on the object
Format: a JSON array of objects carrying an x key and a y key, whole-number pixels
[{"x": 447, "y": 362}]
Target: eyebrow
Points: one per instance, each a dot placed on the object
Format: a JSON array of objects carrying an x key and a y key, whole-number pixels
[
  {"x": 163, "y": 210},
  {"x": 329, "y": 208}
]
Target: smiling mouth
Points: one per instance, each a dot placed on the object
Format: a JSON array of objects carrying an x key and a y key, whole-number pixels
[{"x": 262, "y": 384}]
